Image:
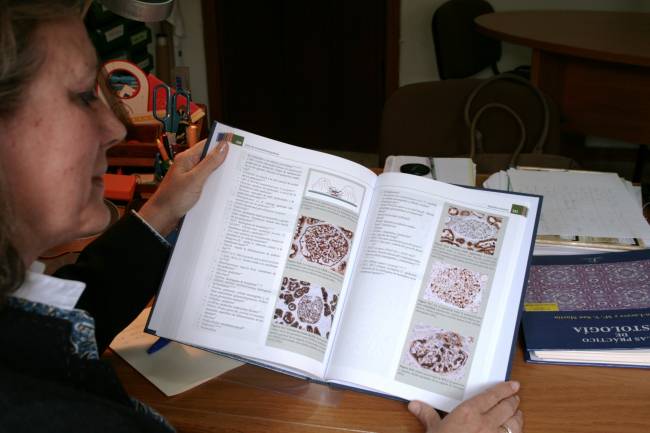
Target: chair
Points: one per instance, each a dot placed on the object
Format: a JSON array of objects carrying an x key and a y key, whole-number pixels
[
  {"x": 428, "y": 119},
  {"x": 460, "y": 50}
]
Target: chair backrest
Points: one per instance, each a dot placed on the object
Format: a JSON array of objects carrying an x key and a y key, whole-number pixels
[
  {"x": 428, "y": 119},
  {"x": 460, "y": 50}
]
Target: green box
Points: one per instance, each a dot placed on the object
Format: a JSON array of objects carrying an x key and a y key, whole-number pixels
[
  {"x": 518, "y": 209},
  {"x": 110, "y": 37},
  {"x": 139, "y": 37},
  {"x": 143, "y": 60},
  {"x": 98, "y": 15}
]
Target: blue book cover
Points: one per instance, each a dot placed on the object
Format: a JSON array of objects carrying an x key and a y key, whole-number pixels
[{"x": 598, "y": 302}]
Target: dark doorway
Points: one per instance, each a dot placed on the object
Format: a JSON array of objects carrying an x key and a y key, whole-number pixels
[{"x": 313, "y": 74}]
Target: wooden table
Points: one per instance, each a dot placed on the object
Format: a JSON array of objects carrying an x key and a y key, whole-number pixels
[
  {"x": 562, "y": 399},
  {"x": 554, "y": 399},
  {"x": 595, "y": 65}
]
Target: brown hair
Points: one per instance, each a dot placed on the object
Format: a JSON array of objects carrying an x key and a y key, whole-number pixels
[
  {"x": 12, "y": 268},
  {"x": 20, "y": 60}
]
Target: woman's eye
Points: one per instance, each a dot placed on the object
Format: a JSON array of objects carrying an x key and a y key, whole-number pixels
[{"x": 88, "y": 97}]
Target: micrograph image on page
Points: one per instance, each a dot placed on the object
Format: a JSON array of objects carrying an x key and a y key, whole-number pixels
[
  {"x": 305, "y": 306},
  {"x": 336, "y": 190},
  {"x": 438, "y": 351},
  {"x": 471, "y": 230},
  {"x": 320, "y": 243},
  {"x": 455, "y": 286}
]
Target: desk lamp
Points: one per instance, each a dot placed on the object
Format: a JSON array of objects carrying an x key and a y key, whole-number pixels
[{"x": 141, "y": 10}]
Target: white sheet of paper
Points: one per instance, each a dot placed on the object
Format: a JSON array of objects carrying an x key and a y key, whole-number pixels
[
  {"x": 459, "y": 171},
  {"x": 582, "y": 203},
  {"x": 498, "y": 180},
  {"x": 173, "y": 369}
]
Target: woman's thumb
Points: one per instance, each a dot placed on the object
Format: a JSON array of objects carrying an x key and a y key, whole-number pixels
[{"x": 425, "y": 414}]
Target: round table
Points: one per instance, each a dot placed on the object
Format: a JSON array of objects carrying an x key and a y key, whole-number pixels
[{"x": 594, "y": 64}]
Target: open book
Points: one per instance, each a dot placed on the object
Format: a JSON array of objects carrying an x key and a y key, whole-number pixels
[{"x": 313, "y": 265}]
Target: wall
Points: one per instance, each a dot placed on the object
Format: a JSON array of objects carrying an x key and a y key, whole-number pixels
[
  {"x": 189, "y": 45},
  {"x": 417, "y": 57}
]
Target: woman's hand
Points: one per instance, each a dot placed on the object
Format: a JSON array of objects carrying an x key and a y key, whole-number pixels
[
  {"x": 493, "y": 411},
  {"x": 181, "y": 187}
]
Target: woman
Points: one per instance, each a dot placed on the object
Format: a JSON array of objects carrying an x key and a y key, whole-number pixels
[{"x": 52, "y": 157}]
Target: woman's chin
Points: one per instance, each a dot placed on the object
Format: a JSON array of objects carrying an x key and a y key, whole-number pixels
[{"x": 96, "y": 220}]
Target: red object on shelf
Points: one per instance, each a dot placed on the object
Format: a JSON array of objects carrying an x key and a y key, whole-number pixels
[{"x": 119, "y": 187}]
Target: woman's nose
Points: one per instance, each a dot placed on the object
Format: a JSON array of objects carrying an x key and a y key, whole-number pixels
[{"x": 113, "y": 131}]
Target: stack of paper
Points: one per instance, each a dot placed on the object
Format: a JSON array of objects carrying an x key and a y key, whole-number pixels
[
  {"x": 582, "y": 211},
  {"x": 459, "y": 171}
]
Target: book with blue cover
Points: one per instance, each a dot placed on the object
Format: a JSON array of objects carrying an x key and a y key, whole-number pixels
[
  {"x": 315, "y": 266},
  {"x": 589, "y": 309}
]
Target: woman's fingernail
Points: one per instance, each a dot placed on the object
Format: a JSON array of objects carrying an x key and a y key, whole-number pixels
[
  {"x": 414, "y": 407},
  {"x": 515, "y": 385}
]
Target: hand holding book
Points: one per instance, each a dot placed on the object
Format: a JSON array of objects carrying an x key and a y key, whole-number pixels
[
  {"x": 181, "y": 187},
  {"x": 495, "y": 409}
]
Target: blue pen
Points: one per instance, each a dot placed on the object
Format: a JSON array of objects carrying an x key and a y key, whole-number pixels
[{"x": 157, "y": 345}]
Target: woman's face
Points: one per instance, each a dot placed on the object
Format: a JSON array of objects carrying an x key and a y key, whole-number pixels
[{"x": 53, "y": 150}]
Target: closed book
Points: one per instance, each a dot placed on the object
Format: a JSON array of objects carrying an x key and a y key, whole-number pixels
[{"x": 589, "y": 309}]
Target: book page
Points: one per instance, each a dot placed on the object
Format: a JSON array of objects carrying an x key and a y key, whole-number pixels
[
  {"x": 269, "y": 246},
  {"x": 435, "y": 295}
]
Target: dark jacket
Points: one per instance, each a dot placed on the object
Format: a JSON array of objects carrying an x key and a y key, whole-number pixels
[{"x": 44, "y": 385}]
